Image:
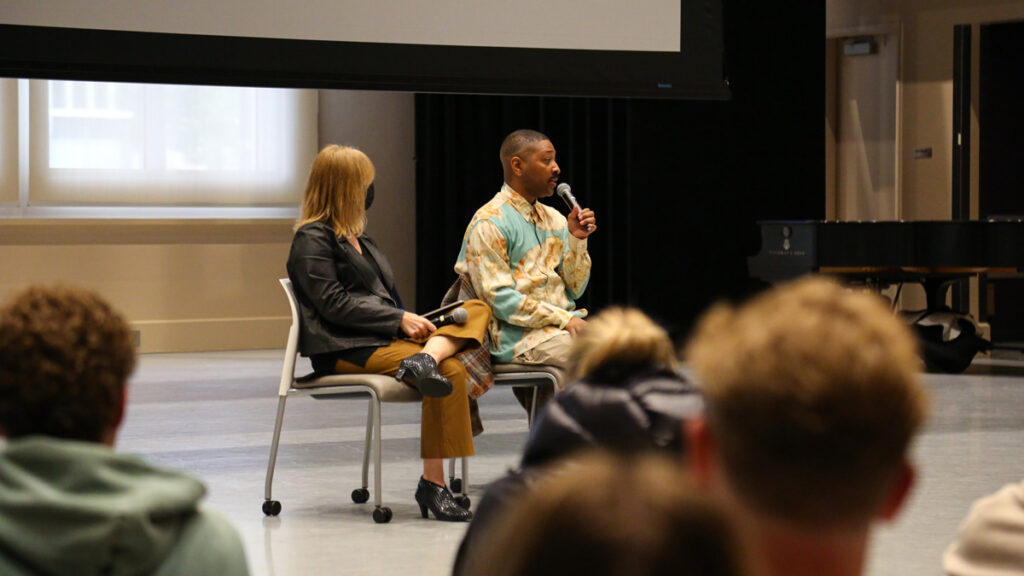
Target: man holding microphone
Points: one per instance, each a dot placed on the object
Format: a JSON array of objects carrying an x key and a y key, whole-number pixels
[{"x": 527, "y": 261}]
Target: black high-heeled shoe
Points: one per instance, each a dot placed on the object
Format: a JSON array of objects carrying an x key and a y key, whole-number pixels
[
  {"x": 440, "y": 501},
  {"x": 420, "y": 371}
]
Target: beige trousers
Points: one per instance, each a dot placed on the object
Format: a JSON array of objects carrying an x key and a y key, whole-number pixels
[{"x": 553, "y": 352}]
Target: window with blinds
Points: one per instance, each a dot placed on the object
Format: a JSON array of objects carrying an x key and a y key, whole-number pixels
[
  {"x": 147, "y": 145},
  {"x": 8, "y": 141}
]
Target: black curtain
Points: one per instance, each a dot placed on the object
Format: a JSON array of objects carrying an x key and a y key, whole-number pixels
[
  {"x": 457, "y": 141},
  {"x": 677, "y": 186}
]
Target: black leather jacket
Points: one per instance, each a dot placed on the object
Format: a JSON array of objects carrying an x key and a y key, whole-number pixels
[
  {"x": 343, "y": 302},
  {"x": 625, "y": 412}
]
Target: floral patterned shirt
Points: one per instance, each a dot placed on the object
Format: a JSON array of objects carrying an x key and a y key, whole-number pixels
[{"x": 522, "y": 260}]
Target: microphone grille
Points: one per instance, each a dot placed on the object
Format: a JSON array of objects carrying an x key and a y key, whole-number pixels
[
  {"x": 563, "y": 189},
  {"x": 459, "y": 315}
]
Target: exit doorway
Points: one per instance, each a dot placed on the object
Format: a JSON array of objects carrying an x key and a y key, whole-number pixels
[{"x": 861, "y": 119}]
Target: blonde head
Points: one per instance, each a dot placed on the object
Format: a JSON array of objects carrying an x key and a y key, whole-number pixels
[
  {"x": 812, "y": 397},
  {"x": 336, "y": 190},
  {"x": 620, "y": 338}
]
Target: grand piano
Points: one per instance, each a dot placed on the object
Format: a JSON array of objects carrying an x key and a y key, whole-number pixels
[
  {"x": 879, "y": 254},
  {"x": 933, "y": 253}
]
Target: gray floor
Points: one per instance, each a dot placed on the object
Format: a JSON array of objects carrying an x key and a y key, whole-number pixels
[{"x": 212, "y": 415}]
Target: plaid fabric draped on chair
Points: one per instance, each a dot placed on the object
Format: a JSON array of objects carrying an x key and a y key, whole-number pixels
[{"x": 476, "y": 360}]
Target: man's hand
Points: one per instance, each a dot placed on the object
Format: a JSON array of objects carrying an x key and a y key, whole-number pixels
[
  {"x": 581, "y": 222},
  {"x": 417, "y": 326},
  {"x": 575, "y": 325}
]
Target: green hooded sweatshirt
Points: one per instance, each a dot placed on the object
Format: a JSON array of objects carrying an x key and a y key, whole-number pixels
[{"x": 79, "y": 508}]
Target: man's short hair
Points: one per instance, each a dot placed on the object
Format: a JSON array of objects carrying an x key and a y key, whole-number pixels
[
  {"x": 65, "y": 356},
  {"x": 518, "y": 141},
  {"x": 812, "y": 398}
]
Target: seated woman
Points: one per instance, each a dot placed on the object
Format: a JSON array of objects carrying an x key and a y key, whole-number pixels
[
  {"x": 624, "y": 396},
  {"x": 353, "y": 320}
]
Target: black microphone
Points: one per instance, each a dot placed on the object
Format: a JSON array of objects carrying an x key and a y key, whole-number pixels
[
  {"x": 565, "y": 192},
  {"x": 457, "y": 316}
]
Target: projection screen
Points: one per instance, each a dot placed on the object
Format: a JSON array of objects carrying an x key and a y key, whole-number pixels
[{"x": 643, "y": 48}]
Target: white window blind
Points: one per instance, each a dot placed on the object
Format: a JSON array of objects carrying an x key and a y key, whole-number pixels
[
  {"x": 118, "y": 144},
  {"x": 8, "y": 141}
]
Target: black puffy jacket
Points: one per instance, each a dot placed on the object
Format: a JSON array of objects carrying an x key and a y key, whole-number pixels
[{"x": 624, "y": 411}]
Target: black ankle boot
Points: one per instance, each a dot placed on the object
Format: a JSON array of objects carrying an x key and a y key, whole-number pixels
[
  {"x": 440, "y": 501},
  {"x": 420, "y": 370}
]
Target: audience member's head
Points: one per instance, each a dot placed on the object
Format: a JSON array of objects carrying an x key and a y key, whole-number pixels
[
  {"x": 624, "y": 395},
  {"x": 65, "y": 358},
  {"x": 990, "y": 541},
  {"x": 619, "y": 340},
  {"x": 812, "y": 399},
  {"x": 612, "y": 516}
]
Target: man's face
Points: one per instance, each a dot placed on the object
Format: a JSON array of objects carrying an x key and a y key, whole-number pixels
[{"x": 538, "y": 171}]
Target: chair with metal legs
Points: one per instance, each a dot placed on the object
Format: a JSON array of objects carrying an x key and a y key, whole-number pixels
[
  {"x": 516, "y": 375},
  {"x": 380, "y": 388}
]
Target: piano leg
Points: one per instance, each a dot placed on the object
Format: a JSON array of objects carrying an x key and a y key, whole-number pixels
[{"x": 935, "y": 290}]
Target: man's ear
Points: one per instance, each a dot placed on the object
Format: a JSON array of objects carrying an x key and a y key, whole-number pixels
[
  {"x": 898, "y": 494},
  {"x": 516, "y": 163},
  {"x": 699, "y": 450},
  {"x": 116, "y": 418},
  {"x": 119, "y": 409}
]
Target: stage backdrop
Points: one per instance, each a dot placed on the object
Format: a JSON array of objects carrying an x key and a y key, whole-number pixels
[{"x": 677, "y": 186}]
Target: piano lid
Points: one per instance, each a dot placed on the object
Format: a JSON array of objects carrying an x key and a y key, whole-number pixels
[{"x": 792, "y": 248}]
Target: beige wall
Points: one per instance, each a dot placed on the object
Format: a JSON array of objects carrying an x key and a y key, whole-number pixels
[
  {"x": 927, "y": 84},
  {"x": 382, "y": 125},
  {"x": 190, "y": 285}
]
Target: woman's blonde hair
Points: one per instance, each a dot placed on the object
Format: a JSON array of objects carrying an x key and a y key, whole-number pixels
[
  {"x": 336, "y": 190},
  {"x": 620, "y": 337}
]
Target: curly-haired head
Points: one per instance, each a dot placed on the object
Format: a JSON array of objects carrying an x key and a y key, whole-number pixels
[
  {"x": 813, "y": 397},
  {"x": 65, "y": 356}
]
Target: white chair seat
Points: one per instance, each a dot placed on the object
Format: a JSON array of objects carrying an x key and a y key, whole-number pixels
[
  {"x": 516, "y": 375},
  {"x": 517, "y": 368},
  {"x": 387, "y": 388}
]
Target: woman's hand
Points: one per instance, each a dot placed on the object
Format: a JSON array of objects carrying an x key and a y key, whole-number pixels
[{"x": 416, "y": 326}]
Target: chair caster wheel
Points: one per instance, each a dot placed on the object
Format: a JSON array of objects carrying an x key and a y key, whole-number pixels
[
  {"x": 382, "y": 515},
  {"x": 456, "y": 484},
  {"x": 360, "y": 495},
  {"x": 463, "y": 501},
  {"x": 271, "y": 507}
]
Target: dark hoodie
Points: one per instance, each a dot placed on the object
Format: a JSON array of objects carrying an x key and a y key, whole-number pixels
[
  {"x": 626, "y": 411},
  {"x": 69, "y": 507}
]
